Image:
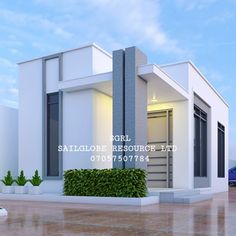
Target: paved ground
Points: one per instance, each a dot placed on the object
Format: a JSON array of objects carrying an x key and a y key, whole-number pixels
[{"x": 216, "y": 217}]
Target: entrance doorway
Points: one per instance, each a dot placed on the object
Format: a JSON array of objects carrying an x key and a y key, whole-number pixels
[{"x": 160, "y": 134}]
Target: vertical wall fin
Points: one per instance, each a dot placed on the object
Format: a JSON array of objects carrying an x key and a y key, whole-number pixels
[
  {"x": 129, "y": 105},
  {"x": 135, "y": 106},
  {"x": 118, "y": 103}
]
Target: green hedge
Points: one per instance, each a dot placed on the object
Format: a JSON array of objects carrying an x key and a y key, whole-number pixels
[{"x": 105, "y": 182}]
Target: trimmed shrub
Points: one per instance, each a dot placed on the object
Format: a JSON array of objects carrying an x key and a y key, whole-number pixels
[{"x": 105, "y": 182}]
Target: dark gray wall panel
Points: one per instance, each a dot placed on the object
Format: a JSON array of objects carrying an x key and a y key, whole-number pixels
[
  {"x": 118, "y": 101},
  {"x": 135, "y": 105}
]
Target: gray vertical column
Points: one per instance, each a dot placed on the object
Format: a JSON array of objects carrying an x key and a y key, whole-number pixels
[
  {"x": 118, "y": 103},
  {"x": 135, "y": 106}
]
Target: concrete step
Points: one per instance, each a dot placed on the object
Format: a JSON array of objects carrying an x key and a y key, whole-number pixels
[
  {"x": 170, "y": 195},
  {"x": 192, "y": 198},
  {"x": 186, "y": 192},
  {"x": 153, "y": 193}
]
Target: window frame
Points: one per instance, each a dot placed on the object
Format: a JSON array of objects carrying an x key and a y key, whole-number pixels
[
  {"x": 200, "y": 161},
  {"x": 220, "y": 150},
  {"x": 44, "y": 119}
]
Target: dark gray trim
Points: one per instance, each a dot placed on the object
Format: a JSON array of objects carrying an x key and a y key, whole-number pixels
[
  {"x": 44, "y": 118},
  {"x": 135, "y": 104},
  {"x": 57, "y": 55},
  {"x": 60, "y": 66},
  {"x": 118, "y": 102},
  {"x": 130, "y": 87},
  {"x": 167, "y": 153},
  {"x": 60, "y": 133},
  {"x": 129, "y": 103}
]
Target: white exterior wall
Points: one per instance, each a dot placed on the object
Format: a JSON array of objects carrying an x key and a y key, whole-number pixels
[
  {"x": 30, "y": 117},
  {"x": 179, "y": 73},
  {"x": 77, "y": 127},
  {"x": 181, "y": 159},
  {"x": 85, "y": 62},
  {"x": 219, "y": 113},
  {"x": 77, "y": 63},
  {"x": 101, "y": 62},
  {"x": 102, "y": 128},
  {"x": 86, "y": 121},
  {"x": 9, "y": 141},
  {"x": 30, "y": 123},
  {"x": 52, "y": 75}
]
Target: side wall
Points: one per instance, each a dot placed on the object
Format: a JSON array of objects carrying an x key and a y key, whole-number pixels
[{"x": 219, "y": 113}]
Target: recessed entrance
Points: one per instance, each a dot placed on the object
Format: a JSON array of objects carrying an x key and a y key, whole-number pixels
[{"x": 160, "y": 134}]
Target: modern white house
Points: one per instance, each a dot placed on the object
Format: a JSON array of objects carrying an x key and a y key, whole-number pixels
[{"x": 78, "y": 107}]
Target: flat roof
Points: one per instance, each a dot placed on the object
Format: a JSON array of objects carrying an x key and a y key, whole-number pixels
[
  {"x": 201, "y": 75},
  {"x": 69, "y": 50},
  {"x": 109, "y": 55}
]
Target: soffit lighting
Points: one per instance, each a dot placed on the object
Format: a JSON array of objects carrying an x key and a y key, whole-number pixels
[{"x": 154, "y": 99}]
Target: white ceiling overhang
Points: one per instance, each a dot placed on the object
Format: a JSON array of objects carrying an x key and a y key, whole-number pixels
[{"x": 161, "y": 88}]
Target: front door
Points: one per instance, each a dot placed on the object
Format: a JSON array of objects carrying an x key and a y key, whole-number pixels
[{"x": 159, "y": 166}]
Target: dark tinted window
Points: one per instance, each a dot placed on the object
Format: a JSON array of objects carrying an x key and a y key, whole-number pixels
[
  {"x": 221, "y": 151},
  {"x": 200, "y": 142},
  {"x": 52, "y": 134}
]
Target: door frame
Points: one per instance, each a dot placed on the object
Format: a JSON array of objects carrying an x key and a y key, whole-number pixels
[{"x": 169, "y": 183}]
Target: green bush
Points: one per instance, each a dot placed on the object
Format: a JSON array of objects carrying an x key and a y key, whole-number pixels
[
  {"x": 105, "y": 183},
  {"x": 36, "y": 179},
  {"x": 8, "y": 179},
  {"x": 21, "y": 179}
]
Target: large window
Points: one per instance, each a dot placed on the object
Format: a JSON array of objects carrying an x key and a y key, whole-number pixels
[
  {"x": 200, "y": 142},
  {"x": 221, "y": 150},
  {"x": 52, "y": 160}
]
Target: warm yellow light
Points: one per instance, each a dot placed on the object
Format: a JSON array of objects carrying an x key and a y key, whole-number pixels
[{"x": 154, "y": 98}]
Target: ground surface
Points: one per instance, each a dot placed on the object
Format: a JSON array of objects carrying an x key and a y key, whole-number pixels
[{"x": 216, "y": 217}]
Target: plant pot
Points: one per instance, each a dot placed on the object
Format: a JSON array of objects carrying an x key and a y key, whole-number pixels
[
  {"x": 34, "y": 190},
  {"x": 7, "y": 189},
  {"x": 3, "y": 212},
  {"x": 20, "y": 189}
]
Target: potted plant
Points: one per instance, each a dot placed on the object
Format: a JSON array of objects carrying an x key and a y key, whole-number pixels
[
  {"x": 35, "y": 181},
  {"x": 21, "y": 181},
  {"x": 8, "y": 181},
  {"x": 3, "y": 212}
]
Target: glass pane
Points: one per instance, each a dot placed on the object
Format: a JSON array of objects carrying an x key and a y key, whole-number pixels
[
  {"x": 196, "y": 146},
  {"x": 52, "y": 136},
  {"x": 221, "y": 150},
  {"x": 203, "y": 148}
]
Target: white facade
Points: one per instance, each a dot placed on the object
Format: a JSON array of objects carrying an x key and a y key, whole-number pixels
[
  {"x": 9, "y": 141},
  {"x": 219, "y": 112},
  {"x": 84, "y": 78}
]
